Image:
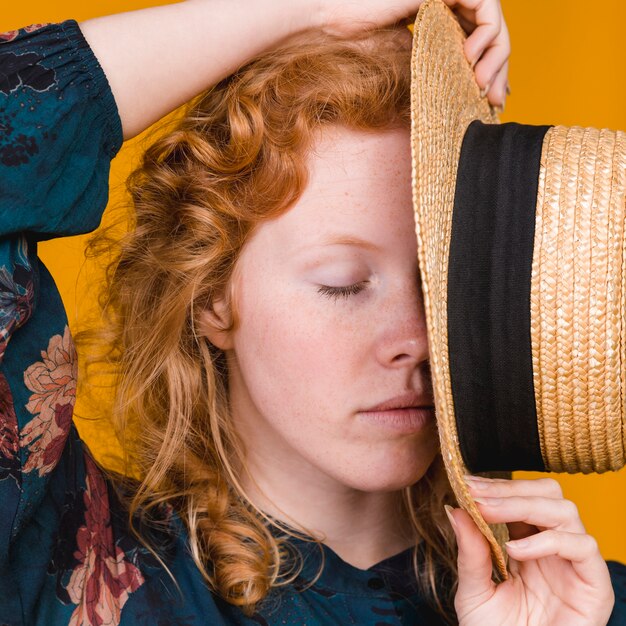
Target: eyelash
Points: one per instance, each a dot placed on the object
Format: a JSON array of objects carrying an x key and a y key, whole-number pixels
[{"x": 342, "y": 292}]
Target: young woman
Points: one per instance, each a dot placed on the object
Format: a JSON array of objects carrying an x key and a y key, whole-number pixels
[{"x": 264, "y": 304}]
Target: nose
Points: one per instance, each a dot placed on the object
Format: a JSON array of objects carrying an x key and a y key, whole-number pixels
[{"x": 404, "y": 342}]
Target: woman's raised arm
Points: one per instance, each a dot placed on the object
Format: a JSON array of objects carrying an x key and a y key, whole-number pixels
[{"x": 156, "y": 59}]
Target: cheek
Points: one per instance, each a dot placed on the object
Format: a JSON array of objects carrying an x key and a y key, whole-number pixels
[
  {"x": 291, "y": 365},
  {"x": 297, "y": 338}
]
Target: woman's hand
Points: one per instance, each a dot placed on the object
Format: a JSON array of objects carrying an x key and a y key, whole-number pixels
[
  {"x": 558, "y": 579},
  {"x": 488, "y": 45}
]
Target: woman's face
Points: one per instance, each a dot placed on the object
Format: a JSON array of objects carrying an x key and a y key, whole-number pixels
[{"x": 305, "y": 364}]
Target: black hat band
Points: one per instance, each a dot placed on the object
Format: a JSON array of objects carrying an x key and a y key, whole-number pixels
[{"x": 489, "y": 278}]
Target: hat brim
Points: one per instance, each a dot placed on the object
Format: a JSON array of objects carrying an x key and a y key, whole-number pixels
[{"x": 445, "y": 99}]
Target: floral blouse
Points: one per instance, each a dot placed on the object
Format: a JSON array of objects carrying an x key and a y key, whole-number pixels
[{"x": 66, "y": 554}]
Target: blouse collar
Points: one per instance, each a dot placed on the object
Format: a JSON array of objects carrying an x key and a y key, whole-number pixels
[{"x": 393, "y": 575}]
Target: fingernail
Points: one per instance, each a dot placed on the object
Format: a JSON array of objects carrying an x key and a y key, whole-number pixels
[
  {"x": 489, "y": 501},
  {"x": 499, "y": 108},
  {"x": 477, "y": 484},
  {"x": 517, "y": 543},
  {"x": 477, "y": 478},
  {"x": 508, "y": 89},
  {"x": 448, "y": 510},
  {"x": 485, "y": 91}
]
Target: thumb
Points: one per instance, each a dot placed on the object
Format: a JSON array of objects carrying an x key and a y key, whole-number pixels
[{"x": 474, "y": 562}]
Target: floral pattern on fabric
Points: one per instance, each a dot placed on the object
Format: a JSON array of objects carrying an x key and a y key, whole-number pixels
[
  {"x": 53, "y": 381},
  {"x": 9, "y": 441},
  {"x": 19, "y": 149},
  {"x": 24, "y": 70},
  {"x": 17, "y": 295},
  {"x": 13, "y": 34},
  {"x": 33, "y": 27},
  {"x": 9, "y": 36},
  {"x": 103, "y": 579}
]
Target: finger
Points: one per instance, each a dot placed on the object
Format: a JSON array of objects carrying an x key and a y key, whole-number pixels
[
  {"x": 485, "y": 487},
  {"x": 488, "y": 19},
  {"x": 496, "y": 52},
  {"x": 474, "y": 558},
  {"x": 490, "y": 65},
  {"x": 465, "y": 13},
  {"x": 468, "y": 25},
  {"x": 545, "y": 513},
  {"x": 581, "y": 550},
  {"x": 495, "y": 487},
  {"x": 497, "y": 92}
]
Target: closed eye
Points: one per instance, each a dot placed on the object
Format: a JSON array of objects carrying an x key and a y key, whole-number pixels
[{"x": 342, "y": 292}]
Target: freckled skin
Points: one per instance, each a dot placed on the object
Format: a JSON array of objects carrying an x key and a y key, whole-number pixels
[{"x": 302, "y": 364}]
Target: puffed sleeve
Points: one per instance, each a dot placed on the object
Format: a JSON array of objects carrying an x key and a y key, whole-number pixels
[{"x": 59, "y": 130}]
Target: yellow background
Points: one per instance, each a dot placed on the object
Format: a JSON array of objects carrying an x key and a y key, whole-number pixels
[{"x": 567, "y": 67}]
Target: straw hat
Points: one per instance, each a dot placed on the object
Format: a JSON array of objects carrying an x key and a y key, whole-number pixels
[{"x": 520, "y": 234}]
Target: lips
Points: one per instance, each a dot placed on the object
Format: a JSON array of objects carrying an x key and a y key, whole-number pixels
[
  {"x": 407, "y": 414},
  {"x": 403, "y": 401}
]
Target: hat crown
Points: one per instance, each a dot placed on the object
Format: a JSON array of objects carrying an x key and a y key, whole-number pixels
[{"x": 578, "y": 300}]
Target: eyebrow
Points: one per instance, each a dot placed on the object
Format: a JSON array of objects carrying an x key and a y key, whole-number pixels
[{"x": 340, "y": 239}]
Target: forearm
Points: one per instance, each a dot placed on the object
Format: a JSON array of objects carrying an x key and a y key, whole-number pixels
[{"x": 156, "y": 59}]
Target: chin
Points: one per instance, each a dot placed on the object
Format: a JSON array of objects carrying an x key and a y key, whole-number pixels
[
  {"x": 383, "y": 484},
  {"x": 390, "y": 473}
]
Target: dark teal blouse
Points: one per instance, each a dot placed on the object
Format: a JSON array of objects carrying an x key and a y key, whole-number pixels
[{"x": 66, "y": 555}]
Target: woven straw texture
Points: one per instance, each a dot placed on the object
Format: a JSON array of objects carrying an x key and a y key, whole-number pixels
[
  {"x": 579, "y": 263},
  {"x": 445, "y": 99}
]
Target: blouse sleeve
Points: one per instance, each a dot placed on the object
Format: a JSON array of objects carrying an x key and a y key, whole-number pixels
[{"x": 59, "y": 130}]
